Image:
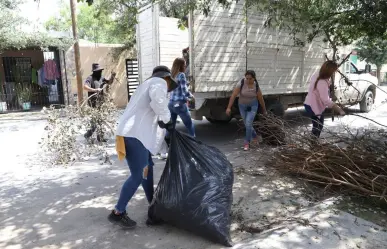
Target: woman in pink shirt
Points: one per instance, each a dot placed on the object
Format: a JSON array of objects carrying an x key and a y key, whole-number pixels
[{"x": 318, "y": 97}]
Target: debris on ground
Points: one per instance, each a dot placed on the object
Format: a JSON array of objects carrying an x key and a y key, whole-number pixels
[{"x": 350, "y": 162}]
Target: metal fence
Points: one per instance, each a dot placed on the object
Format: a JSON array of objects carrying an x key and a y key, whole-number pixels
[{"x": 132, "y": 76}]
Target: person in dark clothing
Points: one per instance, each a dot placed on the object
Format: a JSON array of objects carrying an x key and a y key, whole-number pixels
[{"x": 94, "y": 85}]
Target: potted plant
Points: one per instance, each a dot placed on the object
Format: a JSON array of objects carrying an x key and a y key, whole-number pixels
[
  {"x": 24, "y": 96},
  {"x": 3, "y": 103}
]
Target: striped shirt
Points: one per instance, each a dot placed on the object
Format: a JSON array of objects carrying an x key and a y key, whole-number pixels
[{"x": 181, "y": 93}]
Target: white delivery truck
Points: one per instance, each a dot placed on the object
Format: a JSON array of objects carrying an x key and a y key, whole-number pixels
[{"x": 227, "y": 42}]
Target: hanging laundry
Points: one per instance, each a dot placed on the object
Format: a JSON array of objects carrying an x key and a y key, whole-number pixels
[
  {"x": 51, "y": 71},
  {"x": 41, "y": 78},
  {"x": 53, "y": 93}
]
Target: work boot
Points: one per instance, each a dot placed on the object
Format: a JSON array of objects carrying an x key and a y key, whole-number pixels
[{"x": 122, "y": 220}]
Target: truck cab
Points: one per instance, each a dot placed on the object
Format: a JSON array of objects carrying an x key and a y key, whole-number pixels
[{"x": 357, "y": 87}]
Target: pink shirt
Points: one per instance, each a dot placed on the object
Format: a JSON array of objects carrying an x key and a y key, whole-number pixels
[
  {"x": 51, "y": 70},
  {"x": 318, "y": 99}
]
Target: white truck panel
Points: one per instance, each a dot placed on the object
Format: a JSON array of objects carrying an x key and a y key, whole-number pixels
[
  {"x": 230, "y": 41},
  {"x": 225, "y": 44},
  {"x": 172, "y": 40},
  {"x": 314, "y": 57},
  {"x": 146, "y": 36},
  {"x": 272, "y": 55},
  {"x": 219, "y": 48},
  {"x": 159, "y": 40}
]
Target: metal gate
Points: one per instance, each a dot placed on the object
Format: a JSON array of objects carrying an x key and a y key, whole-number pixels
[
  {"x": 25, "y": 87},
  {"x": 17, "y": 75},
  {"x": 132, "y": 76}
]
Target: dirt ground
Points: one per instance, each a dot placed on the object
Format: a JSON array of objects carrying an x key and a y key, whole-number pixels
[{"x": 66, "y": 207}]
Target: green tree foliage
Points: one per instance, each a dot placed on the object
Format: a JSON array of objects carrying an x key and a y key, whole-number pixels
[
  {"x": 93, "y": 25},
  {"x": 123, "y": 17},
  {"x": 125, "y": 12},
  {"x": 9, "y": 21},
  {"x": 12, "y": 35},
  {"x": 373, "y": 51},
  {"x": 340, "y": 22}
]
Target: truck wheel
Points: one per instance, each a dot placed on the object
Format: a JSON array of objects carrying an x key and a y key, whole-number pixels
[
  {"x": 367, "y": 102},
  {"x": 276, "y": 108},
  {"x": 214, "y": 121}
]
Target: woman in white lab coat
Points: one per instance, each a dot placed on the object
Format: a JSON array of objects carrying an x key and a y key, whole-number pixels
[{"x": 140, "y": 134}]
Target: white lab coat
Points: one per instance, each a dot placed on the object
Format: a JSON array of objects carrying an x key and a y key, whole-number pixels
[{"x": 147, "y": 106}]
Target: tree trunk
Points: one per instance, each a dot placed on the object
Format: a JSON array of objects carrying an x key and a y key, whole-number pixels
[
  {"x": 77, "y": 55},
  {"x": 378, "y": 73},
  {"x": 334, "y": 53},
  {"x": 332, "y": 87}
]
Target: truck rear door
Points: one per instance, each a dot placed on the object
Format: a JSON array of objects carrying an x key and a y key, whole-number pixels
[{"x": 147, "y": 40}]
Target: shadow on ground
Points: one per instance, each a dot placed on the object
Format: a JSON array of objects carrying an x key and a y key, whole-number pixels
[{"x": 67, "y": 207}]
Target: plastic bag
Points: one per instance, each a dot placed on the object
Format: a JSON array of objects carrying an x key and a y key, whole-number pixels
[{"x": 195, "y": 190}]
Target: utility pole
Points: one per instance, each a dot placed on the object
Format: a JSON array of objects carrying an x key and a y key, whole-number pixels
[{"x": 73, "y": 6}]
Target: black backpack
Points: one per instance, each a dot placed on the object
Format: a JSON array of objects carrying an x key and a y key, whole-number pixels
[{"x": 256, "y": 85}]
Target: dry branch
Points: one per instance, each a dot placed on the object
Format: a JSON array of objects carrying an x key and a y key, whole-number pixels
[
  {"x": 355, "y": 161},
  {"x": 274, "y": 225},
  {"x": 66, "y": 125}
]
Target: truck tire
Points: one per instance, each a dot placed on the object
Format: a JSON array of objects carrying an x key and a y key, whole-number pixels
[
  {"x": 367, "y": 102},
  {"x": 214, "y": 121},
  {"x": 276, "y": 108}
]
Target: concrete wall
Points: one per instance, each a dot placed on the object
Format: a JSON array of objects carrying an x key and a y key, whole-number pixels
[
  {"x": 384, "y": 73},
  {"x": 102, "y": 54}
]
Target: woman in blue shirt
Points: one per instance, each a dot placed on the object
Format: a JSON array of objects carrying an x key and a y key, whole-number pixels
[{"x": 179, "y": 97}]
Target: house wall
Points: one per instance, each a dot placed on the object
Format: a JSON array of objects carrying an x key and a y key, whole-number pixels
[
  {"x": 104, "y": 55},
  {"x": 384, "y": 73}
]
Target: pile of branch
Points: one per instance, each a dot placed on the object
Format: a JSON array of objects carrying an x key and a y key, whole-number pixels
[
  {"x": 352, "y": 162},
  {"x": 64, "y": 142},
  {"x": 271, "y": 129}
]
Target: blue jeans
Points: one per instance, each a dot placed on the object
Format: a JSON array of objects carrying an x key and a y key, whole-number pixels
[
  {"x": 180, "y": 109},
  {"x": 139, "y": 159},
  {"x": 248, "y": 119},
  {"x": 317, "y": 121}
]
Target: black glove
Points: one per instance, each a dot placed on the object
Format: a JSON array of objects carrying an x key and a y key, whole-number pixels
[{"x": 168, "y": 126}]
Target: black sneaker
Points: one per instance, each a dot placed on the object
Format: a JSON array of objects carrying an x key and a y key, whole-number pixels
[{"x": 122, "y": 220}]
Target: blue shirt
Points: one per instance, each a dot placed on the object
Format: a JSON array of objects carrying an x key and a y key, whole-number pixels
[{"x": 181, "y": 93}]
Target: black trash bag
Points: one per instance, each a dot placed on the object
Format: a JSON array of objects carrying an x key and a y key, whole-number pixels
[{"x": 195, "y": 190}]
